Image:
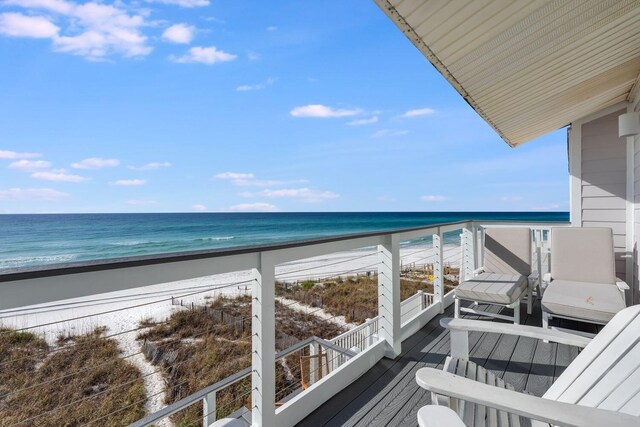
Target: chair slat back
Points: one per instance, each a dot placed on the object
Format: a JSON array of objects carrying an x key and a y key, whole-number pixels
[{"x": 606, "y": 374}]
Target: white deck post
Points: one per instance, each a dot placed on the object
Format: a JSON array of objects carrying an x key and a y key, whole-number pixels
[
  {"x": 389, "y": 294},
  {"x": 263, "y": 377},
  {"x": 437, "y": 271},
  {"x": 313, "y": 363},
  {"x": 370, "y": 332},
  {"x": 209, "y": 409},
  {"x": 466, "y": 261},
  {"x": 476, "y": 251}
]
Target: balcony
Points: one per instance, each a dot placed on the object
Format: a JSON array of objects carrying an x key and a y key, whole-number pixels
[{"x": 363, "y": 376}]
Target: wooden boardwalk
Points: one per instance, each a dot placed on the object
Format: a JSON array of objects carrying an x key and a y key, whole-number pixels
[{"x": 387, "y": 395}]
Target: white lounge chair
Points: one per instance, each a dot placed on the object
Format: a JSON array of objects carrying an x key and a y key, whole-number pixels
[
  {"x": 601, "y": 387},
  {"x": 505, "y": 277},
  {"x": 582, "y": 285}
]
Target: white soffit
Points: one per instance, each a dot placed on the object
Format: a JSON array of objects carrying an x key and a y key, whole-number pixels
[{"x": 528, "y": 67}]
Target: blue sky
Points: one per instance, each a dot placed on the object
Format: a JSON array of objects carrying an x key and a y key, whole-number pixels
[{"x": 193, "y": 105}]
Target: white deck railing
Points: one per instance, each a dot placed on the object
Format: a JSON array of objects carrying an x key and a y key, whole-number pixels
[{"x": 357, "y": 350}]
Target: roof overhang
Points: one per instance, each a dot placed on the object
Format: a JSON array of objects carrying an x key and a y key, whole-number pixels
[{"x": 528, "y": 67}]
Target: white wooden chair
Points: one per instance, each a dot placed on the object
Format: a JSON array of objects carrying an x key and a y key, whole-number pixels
[
  {"x": 505, "y": 277},
  {"x": 601, "y": 387},
  {"x": 582, "y": 285}
]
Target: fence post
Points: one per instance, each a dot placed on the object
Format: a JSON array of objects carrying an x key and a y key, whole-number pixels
[
  {"x": 437, "y": 271},
  {"x": 466, "y": 260},
  {"x": 421, "y": 299},
  {"x": 313, "y": 363},
  {"x": 389, "y": 294},
  {"x": 263, "y": 376},
  {"x": 476, "y": 246},
  {"x": 209, "y": 409}
]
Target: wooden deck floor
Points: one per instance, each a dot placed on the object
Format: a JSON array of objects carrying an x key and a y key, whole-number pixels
[{"x": 387, "y": 395}]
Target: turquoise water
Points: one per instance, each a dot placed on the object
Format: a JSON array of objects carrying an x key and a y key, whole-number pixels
[{"x": 27, "y": 240}]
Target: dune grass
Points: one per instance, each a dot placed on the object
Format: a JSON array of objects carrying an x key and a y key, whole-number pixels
[
  {"x": 354, "y": 297},
  {"x": 84, "y": 380},
  {"x": 205, "y": 351}
]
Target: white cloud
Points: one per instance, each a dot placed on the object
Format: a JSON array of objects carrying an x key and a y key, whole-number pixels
[
  {"x": 247, "y": 180},
  {"x": 58, "y": 175},
  {"x": 360, "y": 122},
  {"x": 141, "y": 202},
  {"x": 434, "y": 198},
  {"x": 253, "y": 207},
  {"x": 322, "y": 111},
  {"x": 29, "y": 165},
  {"x": 93, "y": 30},
  {"x": 389, "y": 132},
  {"x": 183, "y": 3},
  {"x": 253, "y": 56},
  {"x": 151, "y": 166},
  {"x": 511, "y": 198},
  {"x": 19, "y": 25},
  {"x": 198, "y": 208},
  {"x": 272, "y": 28},
  {"x": 306, "y": 194},
  {"x": 234, "y": 175},
  {"x": 129, "y": 182},
  {"x": 31, "y": 194},
  {"x": 10, "y": 155},
  {"x": 179, "y": 33},
  {"x": 95, "y": 163},
  {"x": 258, "y": 86},
  {"x": 417, "y": 113},
  {"x": 204, "y": 55}
]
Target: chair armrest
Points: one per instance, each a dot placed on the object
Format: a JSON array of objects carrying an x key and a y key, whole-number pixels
[
  {"x": 438, "y": 416},
  {"x": 537, "y": 408},
  {"x": 536, "y": 332},
  {"x": 622, "y": 285}
]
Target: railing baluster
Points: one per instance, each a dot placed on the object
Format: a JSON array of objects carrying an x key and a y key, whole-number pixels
[
  {"x": 437, "y": 271},
  {"x": 466, "y": 261},
  {"x": 209, "y": 409},
  {"x": 263, "y": 377},
  {"x": 389, "y": 294}
]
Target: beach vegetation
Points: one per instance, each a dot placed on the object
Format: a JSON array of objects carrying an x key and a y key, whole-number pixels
[
  {"x": 355, "y": 297},
  {"x": 83, "y": 381},
  {"x": 201, "y": 345}
]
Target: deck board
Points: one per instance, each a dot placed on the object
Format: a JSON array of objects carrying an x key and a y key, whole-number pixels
[{"x": 387, "y": 395}]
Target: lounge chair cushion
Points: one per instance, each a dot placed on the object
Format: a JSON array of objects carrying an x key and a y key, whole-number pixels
[
  {"x": 583, "y": 254},
  {"x": 508, "y": 250},
  {"x": 582, "y": 300},
  {"x": 492, "y": 287}
]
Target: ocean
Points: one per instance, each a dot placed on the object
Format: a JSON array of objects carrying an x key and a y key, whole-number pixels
[{"x": 28, "y": 240}]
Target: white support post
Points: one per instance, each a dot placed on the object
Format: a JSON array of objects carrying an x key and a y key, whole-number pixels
[
  {"x": 389, "y": 294},
  {"x": 476, "y": 252},
  {"x": 421, "y": 299},
  {"x": 370, "y": 333},
  {"x": 209, "y": 409},
  {"x": 539, "y": 254},
  {"x": 437, "y": 271},
  {"x": 313, "y": 363},
  {"x": 466, "y": 261},
  {"x": 263, "y": 377}
]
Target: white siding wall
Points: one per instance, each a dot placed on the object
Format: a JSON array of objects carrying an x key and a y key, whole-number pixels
[{"x": 603, "y": 179}]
